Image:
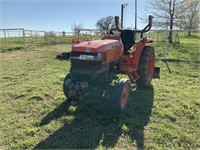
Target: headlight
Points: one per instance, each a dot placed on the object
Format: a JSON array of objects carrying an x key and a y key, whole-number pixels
[{"x": 99, "y": 56}]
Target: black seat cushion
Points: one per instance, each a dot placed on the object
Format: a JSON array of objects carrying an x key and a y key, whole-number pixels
[{"x": 128, "y": 39}]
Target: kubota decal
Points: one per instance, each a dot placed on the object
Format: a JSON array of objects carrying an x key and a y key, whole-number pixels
[{"x": 87, "y": 49}]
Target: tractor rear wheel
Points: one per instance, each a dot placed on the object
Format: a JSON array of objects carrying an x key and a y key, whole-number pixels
[
  {"x": 122, "y": 94},
  {"x": 146, "y": 67},
  {"x": 65, "y": 88}
]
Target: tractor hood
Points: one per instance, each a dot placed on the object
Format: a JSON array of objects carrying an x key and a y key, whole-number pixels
[{"x": 98, "y": 46}]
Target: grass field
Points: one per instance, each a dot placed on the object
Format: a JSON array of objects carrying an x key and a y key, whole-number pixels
[
  {"x": 35, "y": 113},
  {"x": 11, "y": 43}
]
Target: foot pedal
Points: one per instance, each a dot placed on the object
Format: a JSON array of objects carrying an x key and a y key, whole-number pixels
[{"x": 156, "y": 73}]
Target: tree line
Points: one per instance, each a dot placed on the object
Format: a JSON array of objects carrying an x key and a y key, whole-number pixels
[
  {"x": 175, "y": 14},
  {"x": 168, "y": 14}
]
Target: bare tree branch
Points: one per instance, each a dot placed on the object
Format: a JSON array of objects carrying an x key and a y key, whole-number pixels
[
  {"x": 182, "y": 14},
  {"x": 106, "y": 23},
  {"x": 76, "y": 28}
]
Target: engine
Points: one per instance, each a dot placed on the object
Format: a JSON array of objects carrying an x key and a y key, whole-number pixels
[{"x": 95, "y": 60}]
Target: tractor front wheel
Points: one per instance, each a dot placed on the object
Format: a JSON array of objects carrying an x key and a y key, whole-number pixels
[
  {"x": 122, "y": 94},
  {"x": 65, "y": 87},
  {"x": 146, "y": 67}
]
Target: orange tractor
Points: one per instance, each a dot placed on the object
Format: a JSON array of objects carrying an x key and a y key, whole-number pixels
[{"x": 100, "y": 61}]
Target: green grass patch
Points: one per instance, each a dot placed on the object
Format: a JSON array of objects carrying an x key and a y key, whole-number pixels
[
  {"x": 17, "y": 43},
  {"x": 36, "y": 115}
]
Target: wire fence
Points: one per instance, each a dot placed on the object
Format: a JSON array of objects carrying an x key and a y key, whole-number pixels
[
  {"x": 25, "y": 37},
  {"x": 185, "y": 46}
]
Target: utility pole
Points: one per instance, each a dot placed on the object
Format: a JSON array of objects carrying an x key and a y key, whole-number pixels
[
  {"x": 122, "y": 14},
  {"x": 135, "y": 14}
]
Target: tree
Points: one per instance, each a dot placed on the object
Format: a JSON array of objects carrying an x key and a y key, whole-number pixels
[
  {"x": 106, "y": 23},
  {"x": 166, "y": 13},
  {"x": 63, "y": 33},
  {"x": 76, "y": 28},
  {"x": 190, "y": 18}
]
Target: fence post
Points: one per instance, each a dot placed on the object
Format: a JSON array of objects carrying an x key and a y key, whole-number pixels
[
  {"x": 166, "y": 44},
  {"x": 5, "y": 36},
  {"x": 65, "y": 41},
  {"x": 31, "y": 38},
  {"x": 24, "y": 37},
  {"x": 45, "y": 36},
  {"x": 157, "y": 36},
  {"x": 37, "y": 38},
  {"x": 55, "y": 37}
]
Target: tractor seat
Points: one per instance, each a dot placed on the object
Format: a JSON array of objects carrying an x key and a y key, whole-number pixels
[{"x": 128, "y": 39}]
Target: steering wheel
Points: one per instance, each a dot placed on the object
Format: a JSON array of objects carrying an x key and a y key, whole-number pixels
[{"x": 116, "y": 29}]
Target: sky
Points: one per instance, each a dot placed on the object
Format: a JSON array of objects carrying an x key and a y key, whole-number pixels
[{"x": 59, "y": 15}]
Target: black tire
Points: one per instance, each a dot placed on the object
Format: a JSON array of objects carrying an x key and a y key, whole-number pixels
[
  {"x": 146, "y": 67},
  {"x": 123, "y": 89},
  {"x": 109, "y": 77},
  {"x": 65, "y": 88}
]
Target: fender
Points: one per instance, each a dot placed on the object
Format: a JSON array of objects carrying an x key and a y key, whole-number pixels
[{"x": 140, "y": 46}]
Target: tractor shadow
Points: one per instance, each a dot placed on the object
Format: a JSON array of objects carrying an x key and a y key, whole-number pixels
[{"x": 96, "y": 123}]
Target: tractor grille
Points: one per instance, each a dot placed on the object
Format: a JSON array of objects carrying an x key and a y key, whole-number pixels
[
  {"x": 86, "y": 64},
  {"x": 79, "y": 76}
]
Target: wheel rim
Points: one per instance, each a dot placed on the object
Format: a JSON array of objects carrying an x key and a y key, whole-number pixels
[
  {"x": 124, "y": 97},
  {"x": 151, "y": 67}
]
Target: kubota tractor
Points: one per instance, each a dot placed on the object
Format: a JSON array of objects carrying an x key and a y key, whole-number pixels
[{"x": 100, "y": 61}]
